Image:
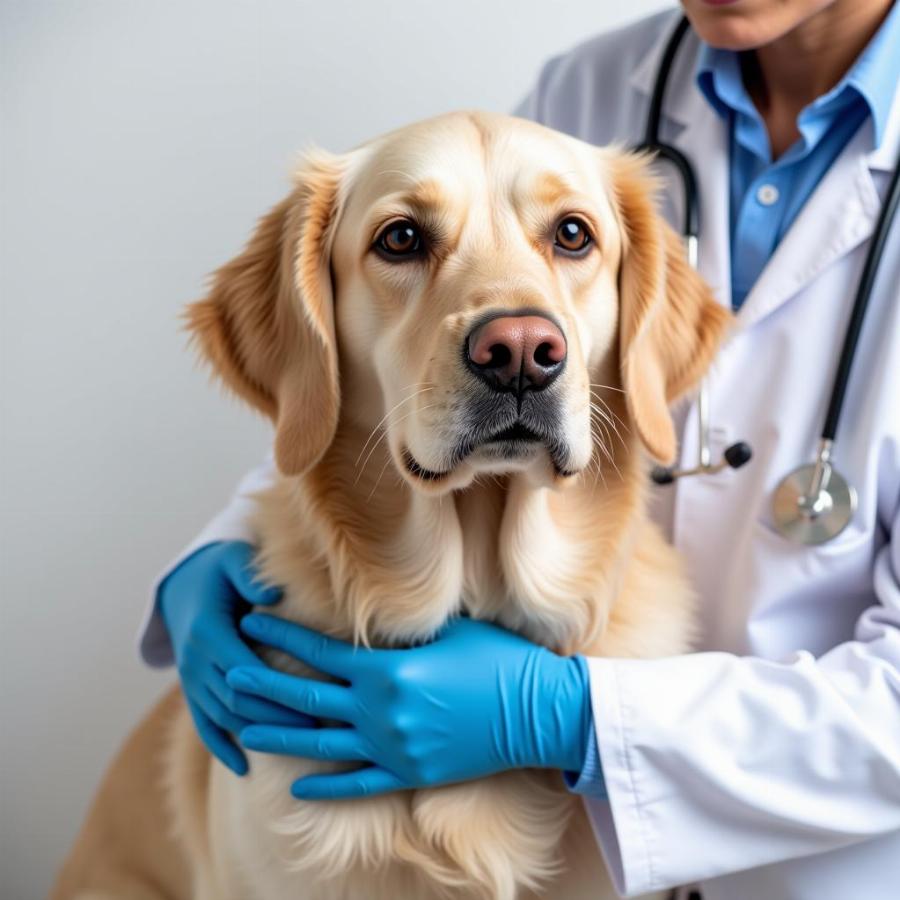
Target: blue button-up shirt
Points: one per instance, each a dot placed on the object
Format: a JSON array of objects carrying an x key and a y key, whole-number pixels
[{"x": 765, "y": 196}]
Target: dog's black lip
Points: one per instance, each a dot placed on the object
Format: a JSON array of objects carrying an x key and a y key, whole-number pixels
[
  {"x": 556, "y": 460},
  {"x": 419, "y": 471},
  {"x": 515, "y": 432}
]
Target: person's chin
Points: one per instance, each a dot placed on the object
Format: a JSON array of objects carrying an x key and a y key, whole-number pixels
[{"x": 731, "y": 24}]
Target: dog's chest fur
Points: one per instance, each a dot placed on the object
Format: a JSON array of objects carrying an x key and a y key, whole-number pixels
[{"x": 391, "y": 571}]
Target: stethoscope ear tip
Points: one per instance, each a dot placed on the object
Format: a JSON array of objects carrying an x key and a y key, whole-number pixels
[
  {"x": 738, "y": 454},
  {"x": 734, "y": 457}
]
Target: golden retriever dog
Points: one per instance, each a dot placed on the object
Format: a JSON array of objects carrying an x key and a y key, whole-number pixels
[{"x": 467, "y": 333}]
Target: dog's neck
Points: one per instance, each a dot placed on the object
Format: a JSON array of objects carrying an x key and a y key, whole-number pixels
[{"x": 393, "y": 564}]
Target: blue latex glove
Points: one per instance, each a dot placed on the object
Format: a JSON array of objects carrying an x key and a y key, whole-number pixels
[
  {"x": 477, "y": 700},
  {"x": 201, "y": 602}
]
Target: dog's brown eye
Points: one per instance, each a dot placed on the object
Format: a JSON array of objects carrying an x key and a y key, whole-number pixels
[
  {"x": 572, "y": 235},
  {"x": 401, "y": 238}
]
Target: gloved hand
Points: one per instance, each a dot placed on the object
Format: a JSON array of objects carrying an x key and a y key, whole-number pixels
[
  {"x": 201, "y": 602},
  {"x": 477, "y": 700}
]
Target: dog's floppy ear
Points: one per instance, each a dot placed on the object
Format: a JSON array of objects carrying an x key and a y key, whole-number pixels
[
  {"x": 267, "y": 324},
  {"x": 670, "y": 325}
]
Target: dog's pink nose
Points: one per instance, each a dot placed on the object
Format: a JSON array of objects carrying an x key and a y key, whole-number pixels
[{"x": 514, "y": 353}]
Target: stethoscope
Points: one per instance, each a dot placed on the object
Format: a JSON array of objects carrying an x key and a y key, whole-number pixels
[{"x": 814, "y": 503}]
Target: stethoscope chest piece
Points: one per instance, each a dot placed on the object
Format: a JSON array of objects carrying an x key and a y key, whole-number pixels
[{"x": 814, "y": 503}]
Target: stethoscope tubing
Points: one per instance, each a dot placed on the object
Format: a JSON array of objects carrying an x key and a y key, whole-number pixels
[
  {"x": 651, "y": 143},
  {"x": 860, "y": 305}
]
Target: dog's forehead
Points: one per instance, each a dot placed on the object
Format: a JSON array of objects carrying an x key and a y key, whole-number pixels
[{"x": 457, "y": 155}]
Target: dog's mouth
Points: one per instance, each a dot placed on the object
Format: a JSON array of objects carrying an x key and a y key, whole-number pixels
[
  {"x": 421, "y": 472},
  {"x": 512, "y": 442},
  {"x": 515, "y": 433}
]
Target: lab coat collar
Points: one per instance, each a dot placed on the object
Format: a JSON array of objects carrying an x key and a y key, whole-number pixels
[
  {"x": 884, "y": 159},
  {"x": 838, "y": 217},
  {"x": 681, "y": 93}
]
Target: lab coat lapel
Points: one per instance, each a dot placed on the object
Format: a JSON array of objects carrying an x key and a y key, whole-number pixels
[{"x": 838, "y": 216}]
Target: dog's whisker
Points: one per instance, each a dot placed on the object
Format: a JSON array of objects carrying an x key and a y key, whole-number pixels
[
  {"x": 387, "y": 462},
  {"x": 604, "y": 449},
  {"x": 596, "y": 440},
  {"x": 606, "y": 387},
  {"x": 618, "y": 422},
  {"x": 371, "y": 493},
  {"x": 603, "y": 444},
  {"x": 595, "y": 465},
  {"x": 604, "y": 411},
  {"x": 603, "y": 417},
  {"x": 387, "y": 415},
  {"x": 384, "y": 435},
  {"x": 601, "y": 414},
  {"x": 609, "y": 410},
  {"x": 600, "y": 476}
]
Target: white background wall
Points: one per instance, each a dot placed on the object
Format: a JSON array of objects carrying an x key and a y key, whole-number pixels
[{"x": 140, "y": 140}]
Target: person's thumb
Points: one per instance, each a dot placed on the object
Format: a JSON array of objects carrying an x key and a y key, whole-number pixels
[{"x": 238, "y": 563}]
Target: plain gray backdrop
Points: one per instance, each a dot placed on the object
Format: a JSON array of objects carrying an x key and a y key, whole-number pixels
[{"x": 140, "y": 141}]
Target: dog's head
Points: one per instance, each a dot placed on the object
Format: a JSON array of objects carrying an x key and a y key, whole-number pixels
[{"x": 468, "y": 283}]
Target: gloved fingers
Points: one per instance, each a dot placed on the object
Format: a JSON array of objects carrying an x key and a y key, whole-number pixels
[
  {"x": 323, "y": 653},
  {"x": 238, "y": 565},
  {"x": 216, "y": 710},
  {"x": 217, "y": 741},
  {"x": 346, "y": 785},
  {"x": 342, "y": 744},
  {"x": 254, "y": 709},
  {"x": 263, "y": 712},
  {"x": 314, "y": 698},
  {"x": 226, "y": 648}
]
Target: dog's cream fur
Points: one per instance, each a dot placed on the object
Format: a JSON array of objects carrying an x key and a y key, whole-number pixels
[{"x": 357, "y": 361}]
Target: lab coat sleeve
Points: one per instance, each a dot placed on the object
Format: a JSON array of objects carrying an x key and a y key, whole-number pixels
[
  {"x": 715, "y": 763},
  {"x": 230, "y": 524}
]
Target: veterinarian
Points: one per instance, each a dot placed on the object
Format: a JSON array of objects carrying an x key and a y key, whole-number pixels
[{"x": 768, "y": 765}]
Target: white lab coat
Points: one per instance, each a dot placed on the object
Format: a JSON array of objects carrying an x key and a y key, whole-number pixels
[{"x": 769, "y": 766}]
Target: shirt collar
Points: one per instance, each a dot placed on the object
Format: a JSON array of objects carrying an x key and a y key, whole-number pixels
[{"x": 873, "y": 77}]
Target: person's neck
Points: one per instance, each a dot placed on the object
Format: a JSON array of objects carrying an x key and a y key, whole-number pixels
[{"x": 785, "y": 76}]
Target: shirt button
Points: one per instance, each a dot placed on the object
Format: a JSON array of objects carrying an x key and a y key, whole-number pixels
[{"x": 767, "y": 194}]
